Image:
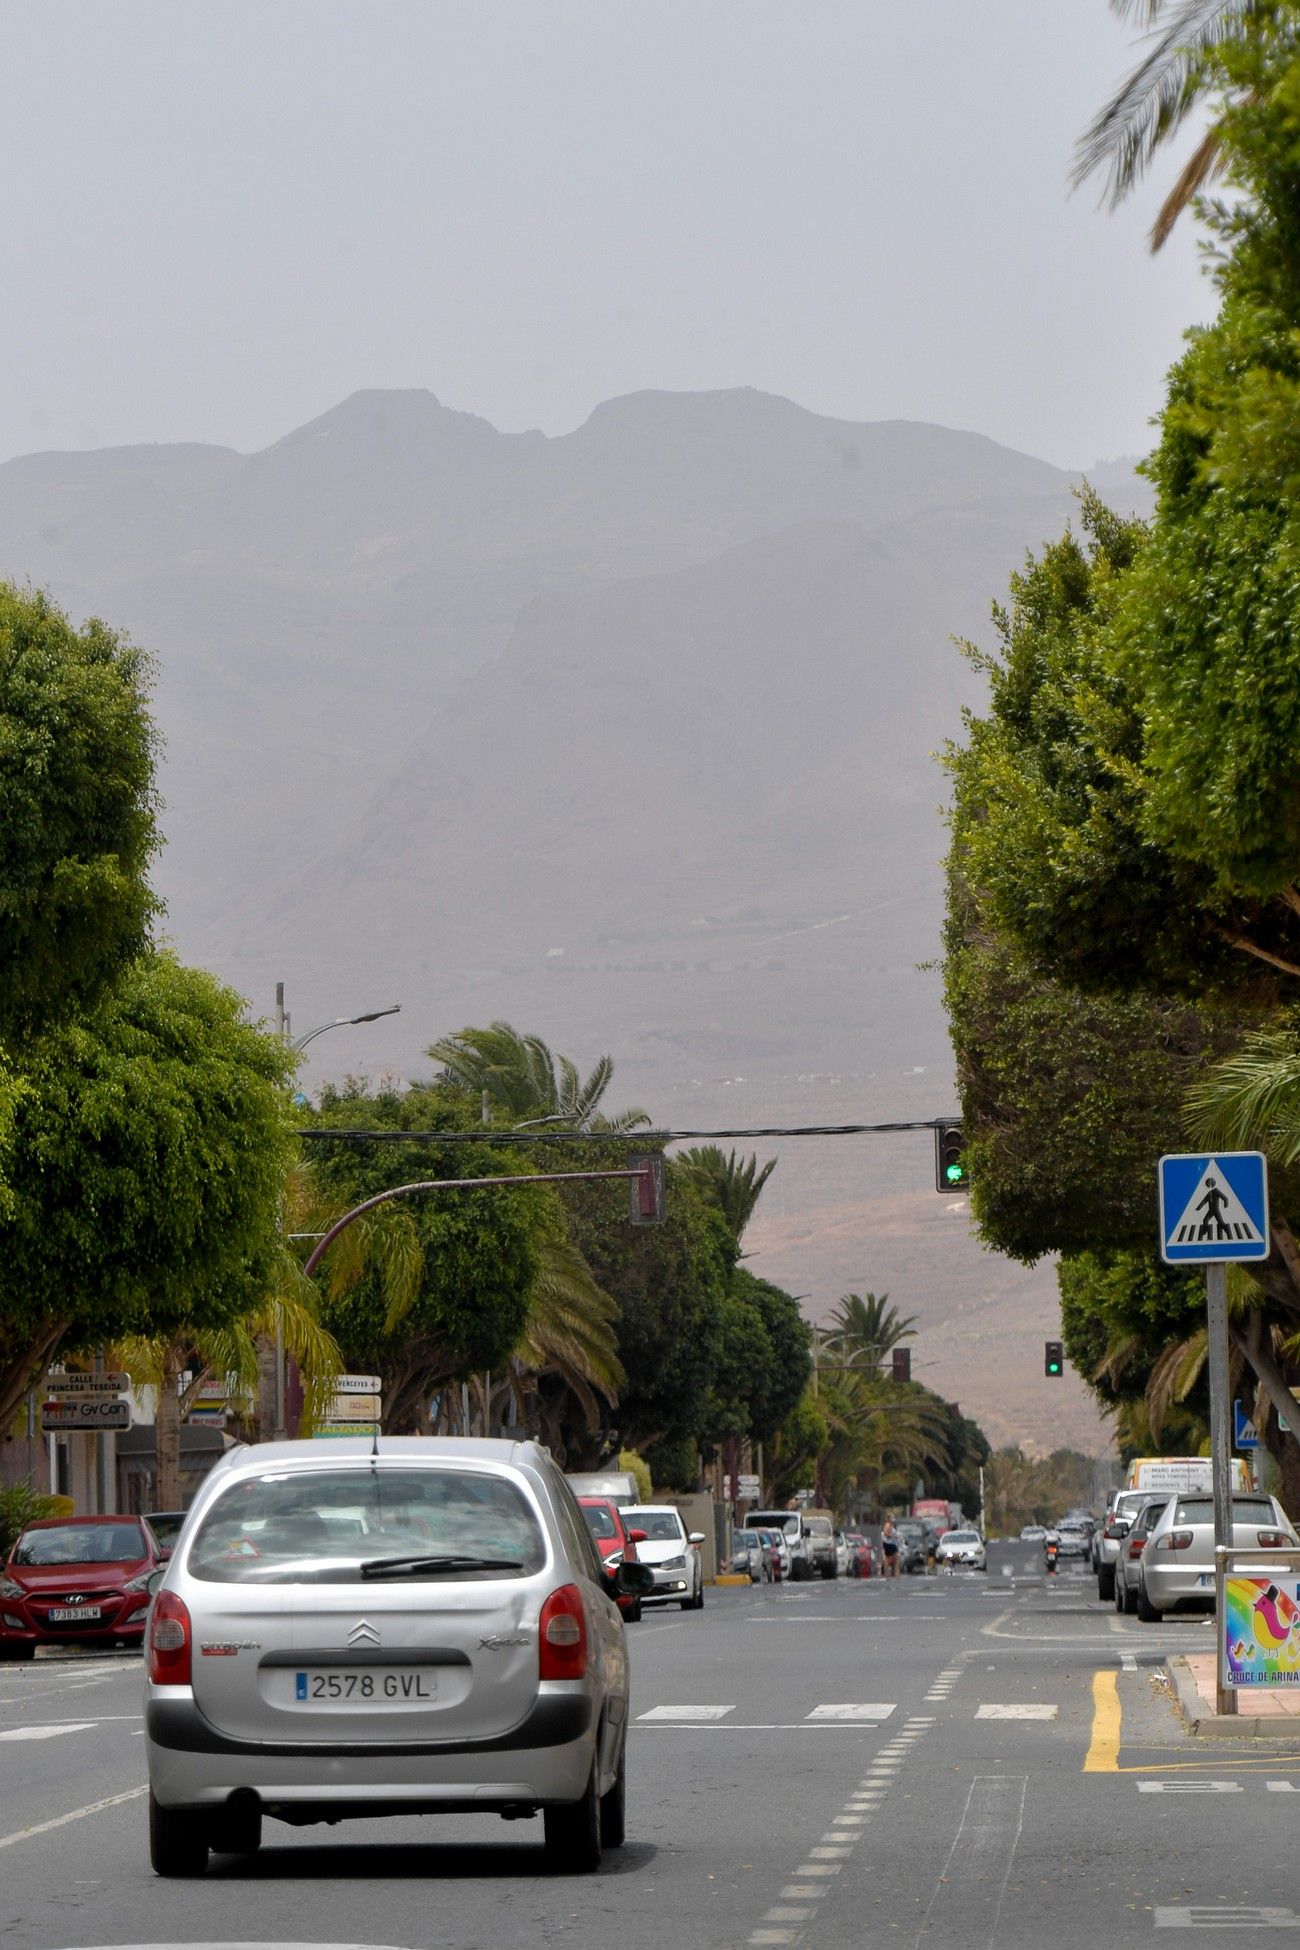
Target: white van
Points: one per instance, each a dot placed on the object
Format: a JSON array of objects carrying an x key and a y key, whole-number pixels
[{"x": 1184, "y": 1475}]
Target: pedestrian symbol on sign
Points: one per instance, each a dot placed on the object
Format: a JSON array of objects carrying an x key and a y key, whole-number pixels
[{"x": 1213, "y": 1207}]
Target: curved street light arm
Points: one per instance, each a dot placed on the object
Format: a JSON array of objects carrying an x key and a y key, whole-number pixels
[{"x": 323, "y": 1245}]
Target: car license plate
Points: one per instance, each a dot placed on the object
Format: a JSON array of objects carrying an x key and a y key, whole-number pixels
[
  {"x": 361, "y": 1685},
  {"x": 73, "y": 1614},
  {"x": 1206, "y": 1579}
]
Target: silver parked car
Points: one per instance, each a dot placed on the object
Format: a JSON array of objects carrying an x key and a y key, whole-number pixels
[
  {"x": 1114, "y": 1531},
  {"x": 1176, "y": 1569},
  {"x": 672, "y": 1553},
  {"x": 1132, "y": 1545},
  {"x": 403, "y": 1626}
]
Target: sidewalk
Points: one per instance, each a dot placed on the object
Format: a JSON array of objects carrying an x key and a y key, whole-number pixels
[{"x": 1271, "y": 1713}]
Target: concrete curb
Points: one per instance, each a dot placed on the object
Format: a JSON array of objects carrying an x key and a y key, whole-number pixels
[
  {"x": 733, "y": 1577},
  {"x": 1199, "y": 1720}
]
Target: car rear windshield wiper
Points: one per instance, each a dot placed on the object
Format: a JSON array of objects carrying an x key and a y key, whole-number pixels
[{"x": 397, "y": 1567}]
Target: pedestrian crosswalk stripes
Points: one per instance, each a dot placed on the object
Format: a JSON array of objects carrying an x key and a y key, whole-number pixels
[{"x": 836, "y": 1713}]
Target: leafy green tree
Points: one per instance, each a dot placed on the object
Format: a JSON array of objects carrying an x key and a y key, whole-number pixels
[
  {"x": 523, "y": 1078},
  {"x": 669, "y": 1283},
  {"x": 76, "y": 811},
  {"x": 480, "y": 1251},
  {"x": 1126, "y": 815},
  {"x": 146, "y": 1161}
]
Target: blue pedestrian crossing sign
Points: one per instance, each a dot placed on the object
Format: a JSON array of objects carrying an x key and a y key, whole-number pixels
[
  {"x": 1244, "y": 1433},
  {"x": 1213, "y": 1207}
]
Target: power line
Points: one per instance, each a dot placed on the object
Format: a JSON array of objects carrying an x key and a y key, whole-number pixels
[{"x": 642, "y": 1137}]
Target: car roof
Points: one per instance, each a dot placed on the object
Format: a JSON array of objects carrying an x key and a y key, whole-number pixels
[
  {"x": 407, "y": 1448},
  {"x": 655, "y": 1509}
]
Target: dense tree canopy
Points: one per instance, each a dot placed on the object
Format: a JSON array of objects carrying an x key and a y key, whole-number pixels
[
  {"x": 480, "y": 1249},
  {"x": 1124, "y": 906},
  {"x": 76, "y": 810},
  {"x": 146, "y": 1161}
]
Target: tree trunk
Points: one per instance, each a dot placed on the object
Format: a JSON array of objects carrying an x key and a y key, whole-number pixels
[
  {"x": 24, "y": 1369},
  {"x": 266, "y": 1416},
  {"x": 167, "y": 1432}
]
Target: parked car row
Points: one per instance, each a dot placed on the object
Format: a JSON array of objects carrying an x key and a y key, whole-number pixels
[
  {"x": 764, "y": 1554},
  {"x": 1163, "y": 1548}
]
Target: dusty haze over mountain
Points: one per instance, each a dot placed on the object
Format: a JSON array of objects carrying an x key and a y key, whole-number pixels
[{"x": 626, "y": 736}]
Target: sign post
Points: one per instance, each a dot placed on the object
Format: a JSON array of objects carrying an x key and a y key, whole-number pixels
[{"x": 1214, "y": 1208}]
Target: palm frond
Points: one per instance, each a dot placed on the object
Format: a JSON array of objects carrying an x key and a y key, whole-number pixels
[
  {"x": 1154, "y": 101},
  {"x": 1250, "y": 1100}
]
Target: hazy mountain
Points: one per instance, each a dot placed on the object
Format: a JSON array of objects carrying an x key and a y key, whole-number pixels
[{"x": 627, "y": 736}]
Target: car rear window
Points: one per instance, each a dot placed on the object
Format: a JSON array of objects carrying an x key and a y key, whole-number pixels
[
  {"x": 87, "y": 1543},
  {"x": 599, "y": 1521},
  {"x": 660, "y": 1526},
  {"x": 1245, "y": 1509},
  {"x": 347, "y": 1526},
  {"x": 961, "y": 1537}
]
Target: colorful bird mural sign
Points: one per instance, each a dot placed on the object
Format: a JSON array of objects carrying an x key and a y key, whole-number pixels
[{"x": 1262, "y": 1627}]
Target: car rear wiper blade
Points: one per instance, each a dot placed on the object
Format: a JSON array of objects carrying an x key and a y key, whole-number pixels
[{"x": 396, "y": 1567}]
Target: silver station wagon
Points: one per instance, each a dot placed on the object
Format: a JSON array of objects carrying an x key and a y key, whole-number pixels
[{"x": 360, "y": 1628}]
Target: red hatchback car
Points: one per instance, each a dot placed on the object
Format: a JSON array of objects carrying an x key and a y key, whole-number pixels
[
  {"x": 77, "y": 1581},
  {"x": 615, "y": 1542}
]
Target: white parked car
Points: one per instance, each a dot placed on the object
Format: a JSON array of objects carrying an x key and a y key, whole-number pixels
[
  {"x": 402, "y": 1626},
  {"x": 672, "y": 1553},
  {"x": 962, "y": 1550}
]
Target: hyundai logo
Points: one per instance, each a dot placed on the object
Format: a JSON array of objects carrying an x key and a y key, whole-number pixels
[{"x": 363, "y": 1633}]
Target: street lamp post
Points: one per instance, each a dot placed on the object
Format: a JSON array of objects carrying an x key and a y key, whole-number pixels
[{"x": 284, "y": 1031}]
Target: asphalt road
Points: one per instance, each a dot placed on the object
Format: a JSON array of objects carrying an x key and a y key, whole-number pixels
[{"x": 924, "y": 1762}]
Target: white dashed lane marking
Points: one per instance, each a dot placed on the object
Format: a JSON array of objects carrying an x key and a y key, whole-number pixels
[{"x": 796, "y": 1908}]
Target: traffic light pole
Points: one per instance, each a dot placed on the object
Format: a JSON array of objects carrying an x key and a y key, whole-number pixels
[
  {"x": 648, "y": 1190},
  {"x": 1216, "y": 1326}
]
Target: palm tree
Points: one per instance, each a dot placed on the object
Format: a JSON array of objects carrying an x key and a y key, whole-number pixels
[
  {"x": 865, "y": 1329},
  {"x": 564, "y": 1374},
  {"x": 1155, "y": 100},
  {"x": 521, "y": 1076},
  {"x": 732, "y": 1183},
  {"x": 229, "y": 1354}
]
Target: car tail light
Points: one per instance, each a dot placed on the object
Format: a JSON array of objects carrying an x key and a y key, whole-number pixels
[
  {"x": 1176, "y": 1540},
  {"x": 170, "y": 1641},
  {"x": 562, "y": 1635},
  {"x": 1272, "y": 1540},
  {"x": 1137, "y": 1546}
]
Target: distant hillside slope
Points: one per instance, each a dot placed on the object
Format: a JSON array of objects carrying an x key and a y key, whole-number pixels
[{"x": 627, "y": 735}]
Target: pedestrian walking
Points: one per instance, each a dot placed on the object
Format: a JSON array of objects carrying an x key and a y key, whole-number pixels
[{"x": 890, "y": 1549}]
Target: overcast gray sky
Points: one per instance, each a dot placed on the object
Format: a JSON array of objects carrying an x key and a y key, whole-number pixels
[{"x": 221, "y": 219}]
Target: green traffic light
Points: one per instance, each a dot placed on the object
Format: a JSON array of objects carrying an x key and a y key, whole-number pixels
[
  {"x": 954, "y": 1174},
  {"x": 1053, "y": 1367}
]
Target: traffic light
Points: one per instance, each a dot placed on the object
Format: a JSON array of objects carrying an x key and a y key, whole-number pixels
[
  {"x": 902, "y": 1364},
  {"x": 1054, "y": 1359},
  {"x": 647, "y": 1189},
  {"x": 949, "y": 1165}
]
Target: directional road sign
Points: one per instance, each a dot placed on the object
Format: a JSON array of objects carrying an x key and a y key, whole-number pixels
[
  {"x": 86, "y": 1412},
  {"x": 1213, "y": 1207},
  {"x": 1244, "y": 1433},
  {"x": 89, "y": 1384}
]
